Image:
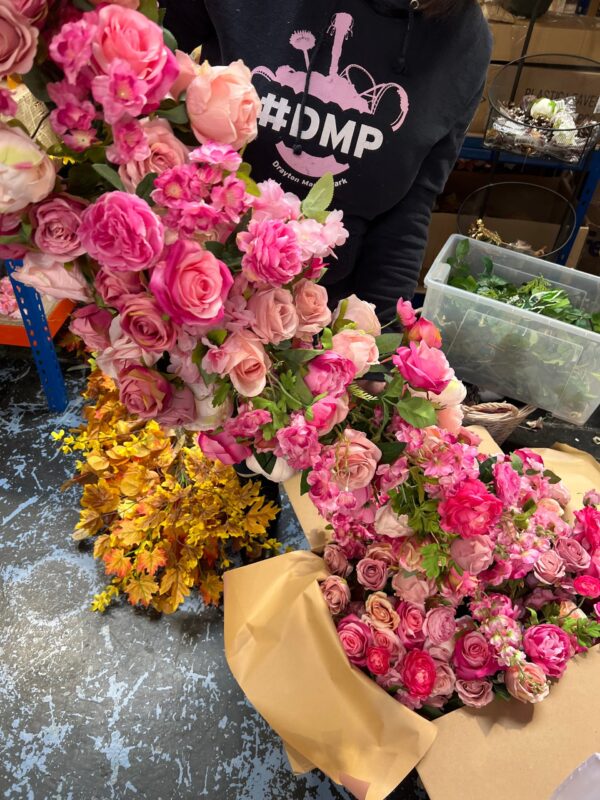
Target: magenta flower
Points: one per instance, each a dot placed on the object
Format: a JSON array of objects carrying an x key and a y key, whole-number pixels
[
  {"x": 271, "y": 252},
  {"x": 71, "y": 47},
  {"x": 119, "y": 92},
  {"x": 423, "y": 367},
  {"x": 130, "y": 142}
]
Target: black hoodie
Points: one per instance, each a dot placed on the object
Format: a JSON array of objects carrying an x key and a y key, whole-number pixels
[{"x": 388, "y": 97}]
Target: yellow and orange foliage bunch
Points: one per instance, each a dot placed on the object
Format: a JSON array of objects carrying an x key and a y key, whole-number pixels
[{"x": 165, "y": 519}]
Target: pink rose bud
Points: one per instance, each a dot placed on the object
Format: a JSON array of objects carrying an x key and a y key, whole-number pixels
[{"x": 406, "y": 313}]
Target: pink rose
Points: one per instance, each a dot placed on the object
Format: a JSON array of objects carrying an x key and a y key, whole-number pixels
[
  {"x": 425, "y": 331},
  {"x": 378, "y": 660},
  {"x": 440, "y": 625},
  {"x": 440, "y": 652},
  {"x": 380, "y": 611},
  {"x": 56, "y": 222},
  {"x": 223, "y": 447},
  {"x": 18, "y": 40},
  {"x": 409, "y": 554},
  {"x": 591, "y": 498},
  {"x": 188, "y": 69},
  {"x": 587, "y": 525},
  {"x": 331, "y": 373},
  {"x": 122, "y": 232},
  {"x": 356, "y": 462},
  {"x": 549, "y": 567},
  {"x": 587, "y": 586},
  {"x": 423, "y": 367},
  {"x": 384, "y": 637},
  {"x": 26, "y": 173},
  {"x": 418, "y": 673},
  {"x": 410, "y": 624},
  {"x": 35, "y": 11},
  {"x": 406, "y": 313},
  {"x": 311, "y": 305},
  {"x": 527, "y": 683},
  {"x": 329, "y": 412},
  {"x": 336, "y": 593},
  {"x": 144, "y": 391},
  {"x": 182, "y": 409},
  {"x": 122, "y": 352},
  {"x": 271, "y": 252},
  {"x": 473, "y": 555},
  {"x": 191, "y": 285},
  {"x": 412, "y": 588},
  {"x": 222, "y": 104},
  {"x": 475, "y": 693},
  {"x": 143, "y": 321},
  {"x": 275, "y": 315},
  {"x": 359, "y": 348},
  {"x": 165, "y": 152},
  {"x": 372, "y": 574},
  {"x": 507, "y": 483},
  {"x": 471, "y": 510},
  {"x": 124, "y": 34},
  {"x": 336, "y": 560},
  {"x": 445, "y": 681},
  {"x": 50, "y": 277},
  {"x": 359, "y": 312},
  {"x": 92, "y": 324},
  {"x": 113, "y": 287},
  {"x": 355, "y": 637},
  {"x": 539, "y": 598},
  {"x": 549, "y": 647},
  {"x": 473, "y": 657},
  {"x": 243, "y": 358}
]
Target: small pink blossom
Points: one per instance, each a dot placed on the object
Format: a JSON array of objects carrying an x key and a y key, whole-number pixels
[
  {"x": 218, "y": 155},
  {"x": 178, "y": 187},
  {"x": 8, "y": 106},
  {"x": 130, "y": 142},
  {"x": 71, "y": 47}
]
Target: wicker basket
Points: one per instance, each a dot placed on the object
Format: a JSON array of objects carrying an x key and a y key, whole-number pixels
[{"x": 499, "y": 419}]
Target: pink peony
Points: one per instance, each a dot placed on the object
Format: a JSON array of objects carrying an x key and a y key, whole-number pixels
[
  {"x": 507, "y": 483},
  {"x": 587, "y": 525},
  {"x": 274, "y": 203},
  {"x": 329, "y": 412},
  {"x": 71, "y": 47},
  {"x": 56, "y": 222},
  {"x": 271, "y": 252},
  {"x": 191, "y": 285},
  {"x": 361, "y": 313},
  {"x": 425, "y": 331},
  {"x": 473, "y": 657},
  {"x": 275, "y": 315},
  {"x": 406, "y": 313},
  {"x": 356, "y": 638},
  {"x": 470, "y": 511},
  {"x": 549, "y": 647},
  {"x": 165, "y": 151},
  {"x": 587, "y": 586},
  {"x": 527, "y": 683},
  {"x": 26, "y": 173},
  {"x": 473, "y": 555},
  {"x": 410, "y": 624},
  {"x": 223, "y": 447},
  {"x": 222, "y": 104},
  {"x": 359, "y": 348},
  {"x": 440, "y": 625},
  {"x": 298, "y": 443},
  {"x": 113, "y": 287},
  {"x": 330, "y": 373},
  {"x": 18, "y": 41},
  {"x": 244, "y": 359},
  {"x": 372, "y": 574},
  {"x": 92, "y": 325},
  {"x": 336, "y": 593},
  {"x": 475, "y": 693},
  {"x": 143, "y": 321},
  {"x": 549, "y": 567},
  {"x": 121, "y": 232},
  {"x": 311, "y": 305},
  {"x": 418, "y": 673},
  {"x": 356, "y": 460},
  {"x": 144, "y": 391},
  {"x": 50, "y": 277},
  {"x": 378, "y": 660},
  {"x": 423, "y": 367}
]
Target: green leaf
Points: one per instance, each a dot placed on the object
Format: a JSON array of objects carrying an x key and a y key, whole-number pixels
[
  {"x": 250, "y": 184},
  {"x": 109, "y": 175},
  {"x": 83, "y": 5},
  {"x": 462, "y": 249},
  {"x": 217, "y": 336},
  {"x": 36, "y": 82},
  {"x": 486, "y": 474},
  {"x": 488, "y": 266},
  {"x": 222, "y": 393},
  {"x": 149, "y": 8},
  {"x": 501, "y": 692},
  {"x": 391, "y": 451},
  {"x": 146, "y": 186},
  {"x": 300, "y": 356},
  {"x": 177, "y": 114},
  {"x": 319, "y": 197},
  {"x": 266, "y": 461},
  {"x": 388, "y": 343},
  {"x": 552, "y": 476},
  {"x": 169, "y": 39},
  {"x": 216, "y": 248},
  {"x": 417, "y": 411},
  {"x": 327, "y": 339},
  {"x": 304, "y": 486},
  {"x": 432, "y": 560},
  {"x": 13, "y": 239},
  {"x": 533, "y": 616},
  {"x": 517, "y": 463},
  {"x": 395, "y": 387}
]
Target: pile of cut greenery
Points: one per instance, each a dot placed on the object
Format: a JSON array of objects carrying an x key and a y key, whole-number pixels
[{"x": 537, "y": 295}]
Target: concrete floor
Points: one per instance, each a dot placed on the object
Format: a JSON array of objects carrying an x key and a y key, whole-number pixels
[{"x": 122, "y": 705}]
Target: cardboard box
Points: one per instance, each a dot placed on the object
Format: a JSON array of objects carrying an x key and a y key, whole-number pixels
[{"x": 576, "y": 35}]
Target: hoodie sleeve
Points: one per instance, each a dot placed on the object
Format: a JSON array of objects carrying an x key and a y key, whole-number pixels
[
  {"x": 389, "y": 261},
  {"x": 190, "y": 24}
]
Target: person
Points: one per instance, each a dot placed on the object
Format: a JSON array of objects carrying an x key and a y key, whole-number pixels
[{"x": 377, "y": 92}]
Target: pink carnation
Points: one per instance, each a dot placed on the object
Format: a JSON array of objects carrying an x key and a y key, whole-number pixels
[
  {"x": 470, "y": 511},
  {"x": 218, "y": 155},
  {"x": 331, "y": 373},
  {"x": 130, "y": 142},
  {"x": 548, "y": 646},
  {"x": 274, "y": 203},
  {"x": 298, "y": 443},
  {"x": 271, "y": 252},
  {"x": 423, "y": 367}
]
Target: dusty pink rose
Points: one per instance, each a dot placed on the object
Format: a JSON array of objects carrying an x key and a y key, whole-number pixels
[
  {"x": 144, "y": 391},
  {"x": 311, "y": 305},
  {"x": 188, "y": 69},
  {"x": 412, "y": 588},
  {"x": 355, "y": 637},
  {"x": 222, "y": 104},
  {"x": 336, "y": 560},
  {"x": 418, "y": 673},
  {"x": 372, "y": 574},
  {"x": 471, "y": 510},
  {"x": 390, "y": 524},
  {"x": 244, "y": 359},
  {"x": 275, "y": 315},
  {"x": 549, "y": 647},
  {"x": 410, "y": 624},
  {"x": 122, "y": 352},
  {"x": 549, "y": 567},
  {"x": 331, "y": 373},
  {"x": 271, "y": 252},
  {"x": 440, "y": 652},
  {"x": 223, "y": 447},
  {"x": 191, "y": 285},
  {"x": 143, "y": 320},
  {"x": 527, "y": 683},
  {"x": 56, "y": 222},
  {"x": 406, "y": 313},
  {"x": 423, "y": 367},
  {"x": 386, "y": 638},
  {"x": 380, "y": 611},
  {"x": 113, "y": 287},
  {"x": 360, "y": 312},
  {"x": 92, "y": 325},
  {"x": 378, "y": 660},
  {"x": 48, "y": 276},
  {"x": 35, "y": 11},
  {"x": 473, "y": 555},
  {"x": 336, "y": 593},
  {"x": 587, "y": 586},
  {"x": 440, "y": 624},
  {"x": 329, "y": 412},
  {"x": 356, "y": 462},
  {"x": 359, "y": 348},
  {"x": 507, "y": 483},
  {"x": 165, "y": 152},
  {"x": 474, "y": 692},
  {"x": 182, "y": 409},
  {"x": 122, "y": 232},
  {"x": 18, "y": 40},
  {"x": 425, "y": 331},
  {"x": 445, "y": 681},
  {"x": 591, "y": 498},
  {"x": 473, "y": 657},
  {"x": 26, "y": 173}
]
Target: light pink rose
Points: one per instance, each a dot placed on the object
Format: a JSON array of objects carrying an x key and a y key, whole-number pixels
[
  {"x": 410, "y": 624},
  {"x": 360, "y": 312},
  {"x": 113, "y": 287},
  {"x": 527, "y": 683},
  {"x": 92, "y": 325},
  {"x": 188, "y": 69},
  {"x": 329, "y": 412},
  {"x": 331, "y": 373},
  {"x": 166, "y": 152},
  {"x": 26, "y": 173},
  {"x": 423, "y": 367},
  {"x": 191, "y": 285},
  {"x": 144, "y": 391},
  {"x": 372, "y": 574},
  {"x": 473, "y": 555},
  {"x": 143, "y": 320},
  {"x": 473, "y": 657},
  {"x": 121, "y": 232},
  {"x": 382, "y": 551},
  {"x": 336, "y": 593},
  {"x": 380, "y": 612},
  {"x": 336, "y": 560},
  {"x": 311, "y": 304},
  {"x": 475, "y": 692},
  {"x": 549, "y": 567},
  {"x": 445, "y": 681},
  {"x": 358, "y": 347},
  {"x": 275, "y": 315},
  {"x": 357, "y": 459},
  {"x": 390, "y": 524},
  {"x": 441, "y": 652},
  {"x": 243, "y": 358},
  {"x": 223, "y": 447},
  {"x": 18, "y": 40},
  {"x": 223, "y": 105},
  {"x": 440, "y": 625},
  {"x": 50, "y": 277},
  {"x": 122, "y": 352},
  {"x": 56, "y": 222},
  {"x": 412, "y": 589}
]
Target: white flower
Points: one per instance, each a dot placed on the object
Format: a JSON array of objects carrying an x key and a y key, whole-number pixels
[{"x": 543, "y": 108}]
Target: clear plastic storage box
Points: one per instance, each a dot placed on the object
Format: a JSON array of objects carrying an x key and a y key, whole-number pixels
[{"x": 519, "y": 354}]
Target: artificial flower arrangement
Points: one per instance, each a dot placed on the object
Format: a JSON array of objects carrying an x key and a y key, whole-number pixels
[{"x": 164, "y": 519}]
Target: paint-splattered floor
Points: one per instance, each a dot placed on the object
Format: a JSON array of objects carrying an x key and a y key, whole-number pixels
[{"x": 116, "y": 706}]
